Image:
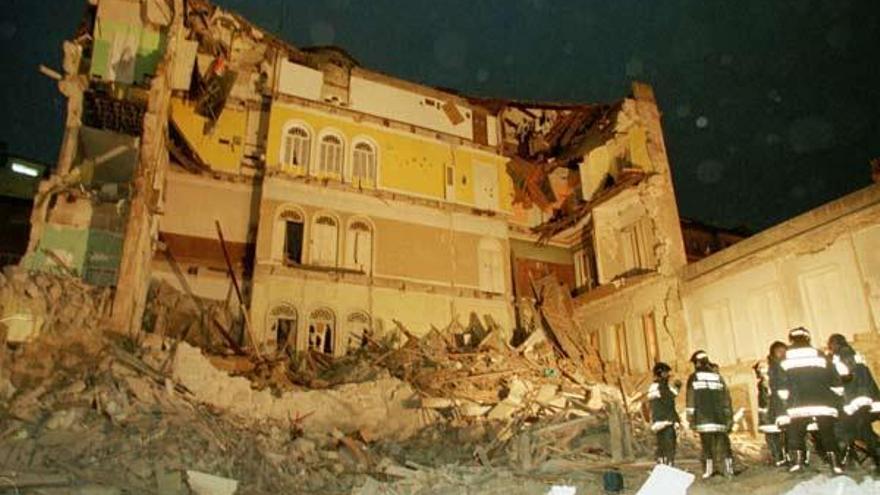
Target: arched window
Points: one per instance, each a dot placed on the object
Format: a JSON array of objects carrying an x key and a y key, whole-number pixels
[
  {"x": 322, "y": 331},
  {"x": 363, "y": 164},
  {"x": 359, "y": 247},
  {"x": 325, "y": 236},
  {"x": 283, "y": 324},
  {"x": 359, "y": 331},
  {"x": 289, "y": 235},
  {"x": 330, "y": 157},
  {"x": 491, "y": 266},
  {"x": 297, "y": 147}
]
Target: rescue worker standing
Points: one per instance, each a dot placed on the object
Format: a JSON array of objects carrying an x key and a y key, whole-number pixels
[
  {"x": 766, "y": 421},
  {"x": 709, "y": 414},
  {"x": 664, "y": 418},
  {"x": 859, "y": 395},
  {"x": 811, "y": 391},
  {"x": 776, "y": 407}
]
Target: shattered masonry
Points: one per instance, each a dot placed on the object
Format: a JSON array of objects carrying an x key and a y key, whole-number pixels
[{"x": 351, "y": 204}]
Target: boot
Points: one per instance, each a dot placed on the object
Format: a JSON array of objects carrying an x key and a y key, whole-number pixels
[
  {"x": 847, "y": 458},
  {"x": 728, "y": 468},
  {"x": 834, "y": 462},
  {"x": 709, "y": 468},
  {"x": 797, "y": 461},
  {"x": 661, "y": 460},
  {"x": 784, "y": 460}
]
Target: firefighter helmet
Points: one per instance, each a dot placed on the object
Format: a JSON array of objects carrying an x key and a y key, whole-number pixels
[
  {"x": 799, "y": 333},
  {"x": 661, "y": 368}
]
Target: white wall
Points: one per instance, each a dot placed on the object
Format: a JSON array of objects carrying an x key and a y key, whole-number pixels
[
  {"x": 299, "y": 80},
  {"x": 737, "y": 313},
  {"x": 383, "y": 100}
]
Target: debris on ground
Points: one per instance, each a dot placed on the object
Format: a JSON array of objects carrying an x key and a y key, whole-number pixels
[{"x": 457, "y": 410}]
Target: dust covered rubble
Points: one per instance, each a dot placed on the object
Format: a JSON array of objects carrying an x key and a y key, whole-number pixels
[{"x": 85, "y": 409}]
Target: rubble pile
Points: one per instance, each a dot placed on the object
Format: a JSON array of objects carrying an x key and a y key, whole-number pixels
[
  {"x": 31, "y": 303},
  {"x": 183, "y": 316},
  {"x": 83, "y": 410},
  {"x": 453, "y": 411}
]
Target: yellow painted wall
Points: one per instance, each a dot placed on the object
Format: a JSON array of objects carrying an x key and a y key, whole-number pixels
[
  {"x": 408, "y": 164},
  {"x": 638, "y": 149},
  {"x": 223, "y": 146}
]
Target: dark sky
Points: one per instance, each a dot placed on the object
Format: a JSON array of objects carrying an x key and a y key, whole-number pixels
[{"x": 771, "y": 107}]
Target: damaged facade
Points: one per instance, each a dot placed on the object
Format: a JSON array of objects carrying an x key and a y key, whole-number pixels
[{"x": 350, "y": 203}]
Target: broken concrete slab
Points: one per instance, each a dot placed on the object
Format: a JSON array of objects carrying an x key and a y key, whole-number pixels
[
  {"x": 208, "y": 484},
  {"x": 385, "y": 406}
]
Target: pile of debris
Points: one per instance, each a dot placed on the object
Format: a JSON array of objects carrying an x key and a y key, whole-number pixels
[
  {"x": 84, "y": 409},
  {"x": 204, "y": 323}
]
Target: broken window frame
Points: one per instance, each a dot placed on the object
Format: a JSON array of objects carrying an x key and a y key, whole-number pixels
[
  {"x": 359, "y": 331},
  {"x": 289, "y": 214},
  {"x": 322, "y": 327},
  {"x": 284, "y": 312},
  {"x": 586, "y": 269}
]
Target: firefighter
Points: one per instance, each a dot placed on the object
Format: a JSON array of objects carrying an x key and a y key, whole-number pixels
[
  {"x": 811, "y": 390},
  {"x": 776, "y": 407},
  {"x": 766, "y": 419},
  {"x": 709, "y": 414},
  {"x": 860, "y": 393},
  {"x": 664, "y": 418}
]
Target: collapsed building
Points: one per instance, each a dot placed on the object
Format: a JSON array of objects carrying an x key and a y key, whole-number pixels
[{"x": 329, "y": 204}]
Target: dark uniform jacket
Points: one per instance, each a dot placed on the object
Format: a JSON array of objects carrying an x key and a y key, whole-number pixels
[
  {"x": 859, "y": 388},
  {"x": 810, "y": 384},
  {"x": 766, "y": 419},
  {"x": 776, "y": 407},
  {"x": 708, "y": 403},
  {"x": 661, "y": 397}
]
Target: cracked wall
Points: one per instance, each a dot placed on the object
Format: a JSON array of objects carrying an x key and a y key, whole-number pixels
[{"x": 635, "y": 314}]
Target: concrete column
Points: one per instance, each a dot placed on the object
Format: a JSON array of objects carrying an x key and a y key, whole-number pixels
[{"x": 141, "y": 229}]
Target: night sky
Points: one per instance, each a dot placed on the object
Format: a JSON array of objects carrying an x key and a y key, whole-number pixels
[{"x": 771, "y": 107}]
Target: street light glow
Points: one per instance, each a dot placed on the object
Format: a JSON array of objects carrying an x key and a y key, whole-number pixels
[{"x": 23, "y": 169}]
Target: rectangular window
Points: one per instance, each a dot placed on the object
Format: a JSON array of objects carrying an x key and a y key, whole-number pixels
[
  {"x": 636, "y": 345},
  {"x": 585, "y": 271},
  {"x": 636, "y": 243},
  {"x": 293, "y": 241},
  {"x": 629, "y": 247},
  {"x": 608, "y": 344}
]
